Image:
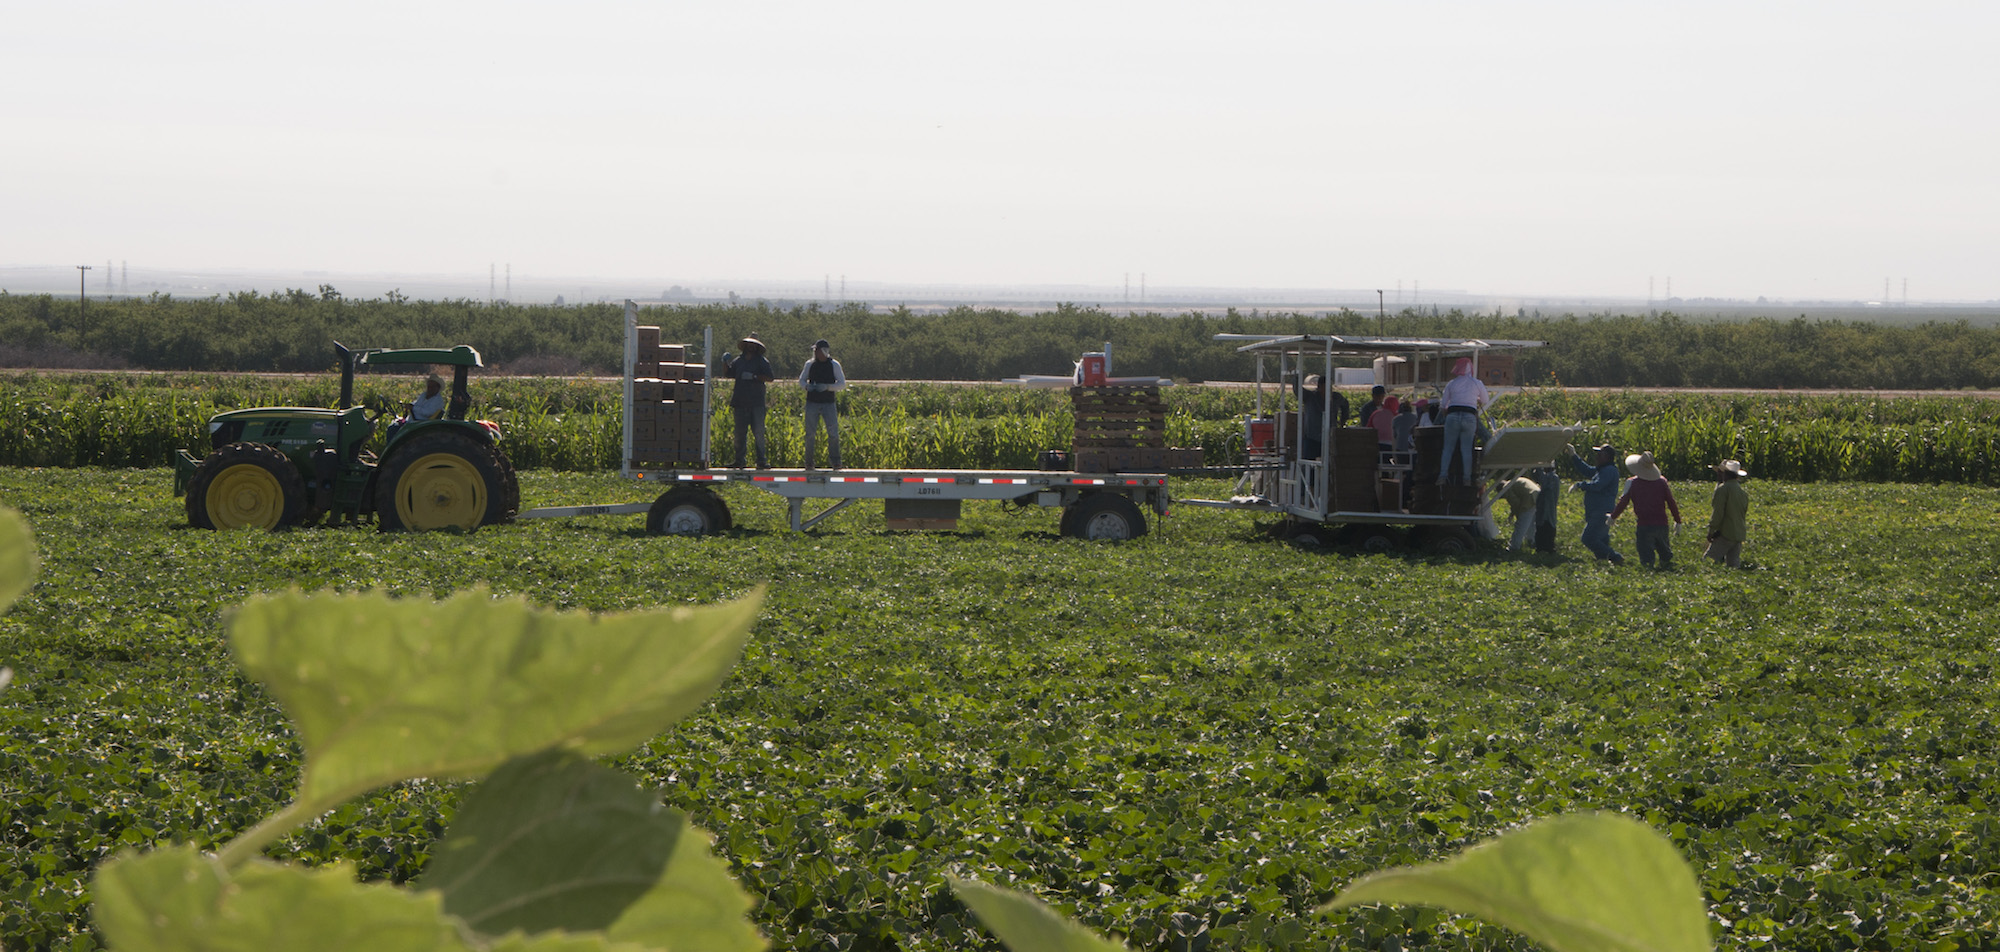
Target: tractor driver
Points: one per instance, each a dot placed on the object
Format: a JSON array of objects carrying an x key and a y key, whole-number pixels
[{"x": 430, "y": 406}]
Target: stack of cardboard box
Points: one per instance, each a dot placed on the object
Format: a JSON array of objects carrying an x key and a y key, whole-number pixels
[
  {"x": 669, "y": 403},
  {"x": 1123, "y": 429}
]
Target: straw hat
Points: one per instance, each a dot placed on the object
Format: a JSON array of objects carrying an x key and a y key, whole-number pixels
[
  {"x": 750, "y": 343},
  {"x": 1642, "y": 465},
  {"x": 1731, "y": 467}
]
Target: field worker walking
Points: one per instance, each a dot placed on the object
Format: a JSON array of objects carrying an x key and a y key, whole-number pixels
[
  {"x": 1521, "y": 495},
  {"x": 1728, "y": 525},
  {"x": 751, "y": 371},
  {"x": 822, "y": 378},
  {"x": 1464, "y": 398},
  {"x": 1600, "y": 492},
  {"x": 1650, "y": 497},
  {"x": 1546, "y": 504}
]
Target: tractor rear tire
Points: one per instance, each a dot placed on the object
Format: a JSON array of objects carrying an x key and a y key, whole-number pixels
[
  {"x": 510, "y": 487},
  {"x": 1449, "y": 541},
  {"x": 1103, "y": 517},
  {"x": 688, "y": 511},
  {"x": 440, "y": 481},
  {"x": 245, "y": 485}
]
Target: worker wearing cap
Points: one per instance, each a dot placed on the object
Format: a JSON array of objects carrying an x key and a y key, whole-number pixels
[
  {"x": 822, "y": 378},
  {"x": 430, "y": 406},
  {"x": 751, "y": 371},
  {"x": 1600, "y": 493}
]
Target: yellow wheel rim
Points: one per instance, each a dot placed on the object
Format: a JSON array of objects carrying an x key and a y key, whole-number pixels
[
  {"x": 245, "y": 495},
  {"x": 439, "y": 491}
]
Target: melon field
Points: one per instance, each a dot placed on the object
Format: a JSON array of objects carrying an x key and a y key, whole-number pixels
[{"x": 1189, "y": 741}]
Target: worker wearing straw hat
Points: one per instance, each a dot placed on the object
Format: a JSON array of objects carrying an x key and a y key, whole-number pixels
[
  {"x": 1650, "y": 497},
  {"x": 751, "y": 370},
  {"x": 1727, "y": 525}
]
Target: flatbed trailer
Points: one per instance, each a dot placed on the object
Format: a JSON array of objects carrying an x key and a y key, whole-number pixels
[{"x": 1103, "y": 506}]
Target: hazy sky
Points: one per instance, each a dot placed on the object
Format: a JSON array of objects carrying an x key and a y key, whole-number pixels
[{"x": 1796, "y": 149}]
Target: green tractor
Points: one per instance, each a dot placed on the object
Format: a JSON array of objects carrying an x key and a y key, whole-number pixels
[{"x": 272, "y": 467}]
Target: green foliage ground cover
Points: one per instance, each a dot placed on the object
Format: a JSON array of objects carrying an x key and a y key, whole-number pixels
[{"x": 1195, "y": 738}]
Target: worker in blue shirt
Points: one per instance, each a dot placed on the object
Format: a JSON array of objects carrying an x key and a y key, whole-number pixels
[{"x": 1600, "y": 492}]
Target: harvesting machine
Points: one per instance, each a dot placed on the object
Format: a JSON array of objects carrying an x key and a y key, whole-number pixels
[{"x": 271, "y": 467}]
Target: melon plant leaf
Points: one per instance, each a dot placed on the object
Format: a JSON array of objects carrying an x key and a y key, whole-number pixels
[
  {"x": 1580, "y": 883},
  {"x": 178, "y": 900},
  {"x": 18, "y": 563},
  {"x": 384, "y": 690},
  {"x": 1026, "y": 924},
  {"x": 554, "y": 841}
]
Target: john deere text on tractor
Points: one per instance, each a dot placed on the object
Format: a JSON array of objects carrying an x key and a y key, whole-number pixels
[{"x": 271, "y": 467}]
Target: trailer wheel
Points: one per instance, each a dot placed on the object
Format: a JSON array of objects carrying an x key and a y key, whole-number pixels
[
  {"x": 688, "y": 511},
  {"x": 1103, "y": 517},
  {"x": 1374, "y": 540},
  {"x": 1310, "y": 535},
  {"x": 1448, "y": 540}
]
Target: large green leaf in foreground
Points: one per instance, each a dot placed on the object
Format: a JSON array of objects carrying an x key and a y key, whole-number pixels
[
  {"x": 384, "y": 690},
  {"x": 554, "y": 841},
  {"x": 1026, "y": 924},
  {"x": 178, "y": 900},
  {"x": 1587, "y": 882}
]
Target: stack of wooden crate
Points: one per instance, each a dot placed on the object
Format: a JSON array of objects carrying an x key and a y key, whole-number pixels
[
  {"x": 669, "y": 403},
  {"x": 1123, "y": 429}
]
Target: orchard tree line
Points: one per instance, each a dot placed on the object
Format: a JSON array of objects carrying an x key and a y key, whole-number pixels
[{"x": 295, "y": 331}]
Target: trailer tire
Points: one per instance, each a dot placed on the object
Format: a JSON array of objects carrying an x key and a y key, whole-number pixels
[
  {"x": 688, "y": 511},
  {"x": 1374, "y": 540},
  {"x": 1448, "y": 540},
  {"x": 1103, "y": 517},
  {"x": 1310, "y": 535}
]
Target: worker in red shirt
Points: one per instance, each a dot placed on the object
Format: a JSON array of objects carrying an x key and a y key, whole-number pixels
[{"x": 1650, "y": 497}]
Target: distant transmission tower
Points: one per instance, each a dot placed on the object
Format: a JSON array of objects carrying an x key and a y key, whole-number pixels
[
  {"x": 492, "y": 272},
  {"x": 125, "y": 280},
  {"x": 826, "y": 288},
  {"x": 1128, "y": 288},
  {"x": 1906, "y": 292},
  {"x": 107, "y": 275},
  {"x": 1399, "y": 293},
  {"x": 1670, "y": 287},
  {"x": 843, "y": 289},
  {"x": 1142, "y": 287},
  {"x": 510, "y": 281},
  {"x": 1886, "y": 300},
  {"x": 1649, "y": 291}
]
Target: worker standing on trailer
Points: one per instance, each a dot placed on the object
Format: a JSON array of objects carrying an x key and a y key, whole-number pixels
[
  {"x": 822, "y": 378},
  {"x": 1312, "y": 415},
  {"x": 1368, "y": 409},
  {"x": 1464, "y": 399},
  {"x": 1600, "y": 493},
  {"x": 751, "y": 371}
]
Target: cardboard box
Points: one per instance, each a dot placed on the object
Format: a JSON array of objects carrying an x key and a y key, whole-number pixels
[
  {"x": 684, "y": 392},
  {"x": 645, "y": 368},
  {"x": 647, "y": 391},
  {"x": 672, "y": 354},
  {"x": 643, "y": 431},
  {"x": 649, "y": 337},
  {"x": 693, "y": 371},
  {"x": 645, "y": 412},
  {"x": 668, "y": 428}
]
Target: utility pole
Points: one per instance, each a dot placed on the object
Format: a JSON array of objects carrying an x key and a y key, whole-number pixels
[
  {"x": 82, "y": 293},
  {"x": 1379, "y": 317}
]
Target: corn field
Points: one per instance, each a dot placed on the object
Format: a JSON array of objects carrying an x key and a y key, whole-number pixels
[{"x": 63, "y": 420}]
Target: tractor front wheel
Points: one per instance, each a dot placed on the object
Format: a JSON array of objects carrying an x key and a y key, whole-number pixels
[
  {"x": 245, "y": 485},
  {"x": 440, "y": 482}
]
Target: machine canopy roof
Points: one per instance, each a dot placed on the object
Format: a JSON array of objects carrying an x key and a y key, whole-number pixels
[{"x": 1370, "y": 346}]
